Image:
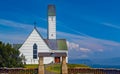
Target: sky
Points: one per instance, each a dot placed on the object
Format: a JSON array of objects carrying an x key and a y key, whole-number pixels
[{"x": 91, "y": 27}]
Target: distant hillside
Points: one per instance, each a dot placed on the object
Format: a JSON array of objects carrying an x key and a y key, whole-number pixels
[
  {"x": 98, "y": 63},
  {"x": 105, "y": 66},
  {"x": 110, "y": 61}
]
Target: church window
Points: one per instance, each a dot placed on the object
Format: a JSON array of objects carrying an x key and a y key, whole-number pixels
[{"x": 35, "y": 51}]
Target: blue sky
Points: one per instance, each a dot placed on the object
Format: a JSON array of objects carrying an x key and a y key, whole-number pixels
[{"x": 91, "y": 27}]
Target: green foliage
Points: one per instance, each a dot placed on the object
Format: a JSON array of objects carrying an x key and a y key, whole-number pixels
[{"x": 9, "y": 57}]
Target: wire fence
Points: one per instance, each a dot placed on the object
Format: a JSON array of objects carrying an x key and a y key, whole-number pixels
[
  {"x": 19, "y": 71},
  {"x": 70, "y": 71},
  {"x": 93, "y": 71}
]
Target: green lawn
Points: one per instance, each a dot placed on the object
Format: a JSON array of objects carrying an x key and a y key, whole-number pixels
[
  {"x": 31, "y": 66},
  {"x": 77, "y": 66},
  {"x": 57, "y": 67}
]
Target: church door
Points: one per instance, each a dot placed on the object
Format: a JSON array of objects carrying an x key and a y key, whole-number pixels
[{"x": 57, "y": 59}]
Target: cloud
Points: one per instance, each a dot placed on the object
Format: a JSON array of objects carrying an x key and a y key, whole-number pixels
[
  {"x": 70, "y": 29},
  {"x": 96, "y": 44},
  {"x": 17, "y": 25},
  {"x": 78, "y": 45},
  {"x": 83, "y": 56},
  {"x": 89, "y": 46},
  {"x": 74, "y": 40},
  {"x": 14, "y": 24},
  {"x": 85, "y": 50},
  {"x": 111, "y": 25},
  {"x": 72, "y": 45}
]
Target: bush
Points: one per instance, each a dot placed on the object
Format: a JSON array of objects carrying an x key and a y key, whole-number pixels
[{"x": 9, "y": 57}]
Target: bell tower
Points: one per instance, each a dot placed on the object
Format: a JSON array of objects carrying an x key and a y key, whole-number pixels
[{"x": 51, "y": 22}]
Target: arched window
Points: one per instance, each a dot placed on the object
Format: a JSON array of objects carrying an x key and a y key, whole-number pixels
[{"x": 35, "y": 51}]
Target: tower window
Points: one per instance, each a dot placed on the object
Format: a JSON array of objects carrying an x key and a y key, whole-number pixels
[
  {"x": 35, "y": 51},
  {"x": 52, "y": 18},
  {"x": 51, "y": 34}
]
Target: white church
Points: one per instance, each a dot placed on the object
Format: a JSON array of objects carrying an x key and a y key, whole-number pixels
[{"x": 35, "y": 43}]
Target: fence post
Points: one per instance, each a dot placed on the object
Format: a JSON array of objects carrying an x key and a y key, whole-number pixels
[
  {"x": 64, "y": 65},
  {"x": 41, "y": 65}
]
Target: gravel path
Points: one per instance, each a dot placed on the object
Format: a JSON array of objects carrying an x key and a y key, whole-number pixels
[{"x": 47, "y": 72}]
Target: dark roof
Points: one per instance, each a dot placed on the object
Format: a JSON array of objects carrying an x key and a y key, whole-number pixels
[
  {"x": 56, "y": 44},
  {"x": 55, "y": 54},
  {"x": 17, "y": 46},
  {"x": 51, "y": 10}
]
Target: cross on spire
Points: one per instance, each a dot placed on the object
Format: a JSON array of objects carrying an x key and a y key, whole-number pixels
[{"x": 34, "y": 25}]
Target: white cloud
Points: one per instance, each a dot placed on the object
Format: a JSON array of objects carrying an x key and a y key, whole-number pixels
[
  {"x": 77, "y": 47},
  {"x": 18, "y": 37},
  {"x": 76, "y": 43},
  {"x": 83, "y": 56},
  {"x": 100, "y": 50},
  {"x": 14, "y": 24},
  {"x": 85, "y": 50},
  {"x": 111, "y": 25},
  {"x": 72, "y": 45},
  {"x": 71, "y": 29}
]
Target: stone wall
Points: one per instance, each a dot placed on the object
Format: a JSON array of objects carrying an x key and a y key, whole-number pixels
[{"x": 93, "y": 71}]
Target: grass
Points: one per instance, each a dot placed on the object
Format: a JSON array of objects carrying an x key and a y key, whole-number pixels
[
  {"x": 56, "y": 68},
  {"x": 31, "y": 66},
  {"x": 77, "y": 66}
]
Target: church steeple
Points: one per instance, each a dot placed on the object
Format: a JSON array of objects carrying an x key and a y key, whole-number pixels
[{"x": 51, "y": 22}]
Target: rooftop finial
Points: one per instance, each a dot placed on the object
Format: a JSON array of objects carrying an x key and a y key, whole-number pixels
[{"x": 34, "y": 25}]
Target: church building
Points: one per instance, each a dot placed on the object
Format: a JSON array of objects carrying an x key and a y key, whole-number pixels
[{"x": 35, "y": 43}]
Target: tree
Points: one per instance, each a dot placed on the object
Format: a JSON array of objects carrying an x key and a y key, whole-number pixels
[
  {"x": 23, "y": 59},
  {"x": 9, "y": 57}
]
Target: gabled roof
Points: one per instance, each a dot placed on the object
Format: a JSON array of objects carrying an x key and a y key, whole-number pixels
[
  {"x": 34, "y": 37},
  {"x": 56, "y": 44}
]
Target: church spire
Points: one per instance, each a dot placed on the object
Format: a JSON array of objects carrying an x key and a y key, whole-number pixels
[{"x": 51, "y": 22}]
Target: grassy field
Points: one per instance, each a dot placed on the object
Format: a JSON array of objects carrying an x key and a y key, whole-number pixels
[
  {"x": 77, "y": 66},
  {"x": 31, "y": 66},
  {"x": 56, "y": 68}
]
